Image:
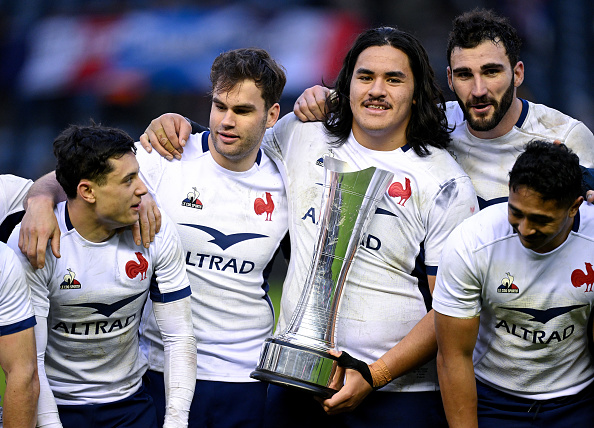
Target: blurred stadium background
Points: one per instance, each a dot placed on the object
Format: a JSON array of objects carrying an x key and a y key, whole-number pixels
[{"x": 124, "y": 62}]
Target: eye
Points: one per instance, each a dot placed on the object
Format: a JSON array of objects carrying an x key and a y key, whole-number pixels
[
  {"x": 364, "y": 78},
  {"x": 463, "y": 75}
]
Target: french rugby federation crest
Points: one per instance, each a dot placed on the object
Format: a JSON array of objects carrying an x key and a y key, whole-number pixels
[
  {"x": 507, "y": 285},
  {"x": 192, "y": 200},
  {"x": 70, "y": 283}
]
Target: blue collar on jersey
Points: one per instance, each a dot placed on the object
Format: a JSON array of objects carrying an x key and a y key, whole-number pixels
[
  {"x": 69, "y": 225},
  {"x": 406, "y": 147},
  {"x": 524, "y": 113},
  {"x": 576, "y": 222},
  {"x": 205, "y": 147}
]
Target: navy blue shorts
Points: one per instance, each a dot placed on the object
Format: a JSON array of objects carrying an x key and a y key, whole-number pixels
[
  {"x": 136, "y": 411},
  {"x": 215, "y": 404},
  {"x": 289, "y": 408},
  {"x": 497, "y": 409}
]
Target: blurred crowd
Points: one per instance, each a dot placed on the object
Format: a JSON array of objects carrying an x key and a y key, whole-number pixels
[{"x": 125, "y": 62}]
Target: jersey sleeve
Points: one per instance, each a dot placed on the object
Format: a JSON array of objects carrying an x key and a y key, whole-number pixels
[
  {"x": 151, "y": 167},
  {"x": 278, "y": 138},
  {"x": 36, "y": 279},
  {"x": 457, "y": 289},
  {"x": 170, "y": 280},
  {"x": 581, "y": 141},
  {"x": 16, "y": 310},
  {"x": 455, "y": 202},
  {"x": 13, "y": 190}
]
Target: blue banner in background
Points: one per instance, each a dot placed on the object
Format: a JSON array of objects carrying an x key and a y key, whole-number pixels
[{"x": 125, "y": 56}]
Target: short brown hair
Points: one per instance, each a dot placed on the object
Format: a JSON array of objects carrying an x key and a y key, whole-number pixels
[{"x": 233, "y": 67}]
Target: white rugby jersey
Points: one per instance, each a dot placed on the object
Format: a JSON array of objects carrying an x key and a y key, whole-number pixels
[
  {"x": 386, "y": 293},
  {"x": 13, "y": 190},
  {"x": 93, "y": 297},
  {"x": 16, "y": 312},
  {"x": 534, "y": 308},
  {"x": 488, "y": 161},
  {"x": 231, "y": 224}
]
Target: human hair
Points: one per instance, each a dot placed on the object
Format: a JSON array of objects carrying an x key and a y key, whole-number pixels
[
  {"x": 472, "y": 28},
  {"x": 552, "y": 170},
  {"x": 235, "y": 66},
  {"x": 428, "y": 123},
  {"x": 83, "y": 152}
]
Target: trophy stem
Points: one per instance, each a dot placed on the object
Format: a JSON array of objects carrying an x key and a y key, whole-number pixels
[{"x": 299, "y": 357}]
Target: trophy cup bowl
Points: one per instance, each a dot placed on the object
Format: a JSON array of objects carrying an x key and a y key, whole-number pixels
[{"x": 299, "y": 357}]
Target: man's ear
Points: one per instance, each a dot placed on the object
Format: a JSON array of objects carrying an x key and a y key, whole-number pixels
[
  {"x": 518, "y": 74},
  {"x": 272, "y": 115},
  {"x": 450, "y": 78},
  {"x": 573, "y": 210},
  {"x": 86, "y": 191}
]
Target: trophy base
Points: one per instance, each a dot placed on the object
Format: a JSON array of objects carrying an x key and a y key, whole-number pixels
[
  {"x": 296, "y": 366},
  {"x": 276, "y": 379}
]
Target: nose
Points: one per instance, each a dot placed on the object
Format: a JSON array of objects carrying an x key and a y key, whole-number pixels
[
  {"x": 228, "y": 119},
  {"x": 525, "y": 228},
  {"x": 377, "y": 89},
  {"x": 479, "y": 88},
  {"x": 141, "y": 189}
]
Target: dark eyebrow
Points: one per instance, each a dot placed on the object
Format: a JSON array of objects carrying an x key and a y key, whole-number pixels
[
  {"x": 492, "y": 65},
  {"x": 399, "y": 74},
  {"x": 461, "y": 70},
  {"x": 484, "y": 67},
  {"x": 362, "y": 70},
  {"x": 130, "y": 175},
  {"x": 246, "y": 106},
  {"x": 533, "y": 217}
]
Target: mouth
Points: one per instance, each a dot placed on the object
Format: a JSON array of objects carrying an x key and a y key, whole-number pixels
[
  {"x": 136, "y": 207},
  {"x": 376, "y": 105},
  {"x": 227, "y": 137},
  {"x": 480, "y": 107}
]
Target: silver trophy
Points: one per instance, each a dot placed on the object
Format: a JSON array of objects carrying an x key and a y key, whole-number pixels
[{"x": 298, "y": 357}]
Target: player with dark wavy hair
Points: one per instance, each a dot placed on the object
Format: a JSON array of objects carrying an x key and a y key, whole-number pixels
[
  {"x": 427, "y": 125},
  {"x": 473, "y": 28},
  {"x": 514, "y": 299},
  {"x": 86, "y": 152}
]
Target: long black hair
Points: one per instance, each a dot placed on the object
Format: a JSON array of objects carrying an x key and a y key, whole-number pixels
[{"x": 428, "y": 124}]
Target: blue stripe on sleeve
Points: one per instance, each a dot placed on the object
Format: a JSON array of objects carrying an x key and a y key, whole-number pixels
[
  {"x": 170, "y": 297},
  {"x": 17, "y": 326}
]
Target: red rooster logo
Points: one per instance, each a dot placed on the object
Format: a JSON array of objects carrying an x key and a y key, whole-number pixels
[
  {"x": 579, "y": 278},
  {"x": 396, "y": 189},
  {"x": 133, "y": 268},
  {"x": 260, "y": 206}
]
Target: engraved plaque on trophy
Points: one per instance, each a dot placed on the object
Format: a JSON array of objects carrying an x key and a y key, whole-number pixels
[{"x": 298, "y": 357}]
